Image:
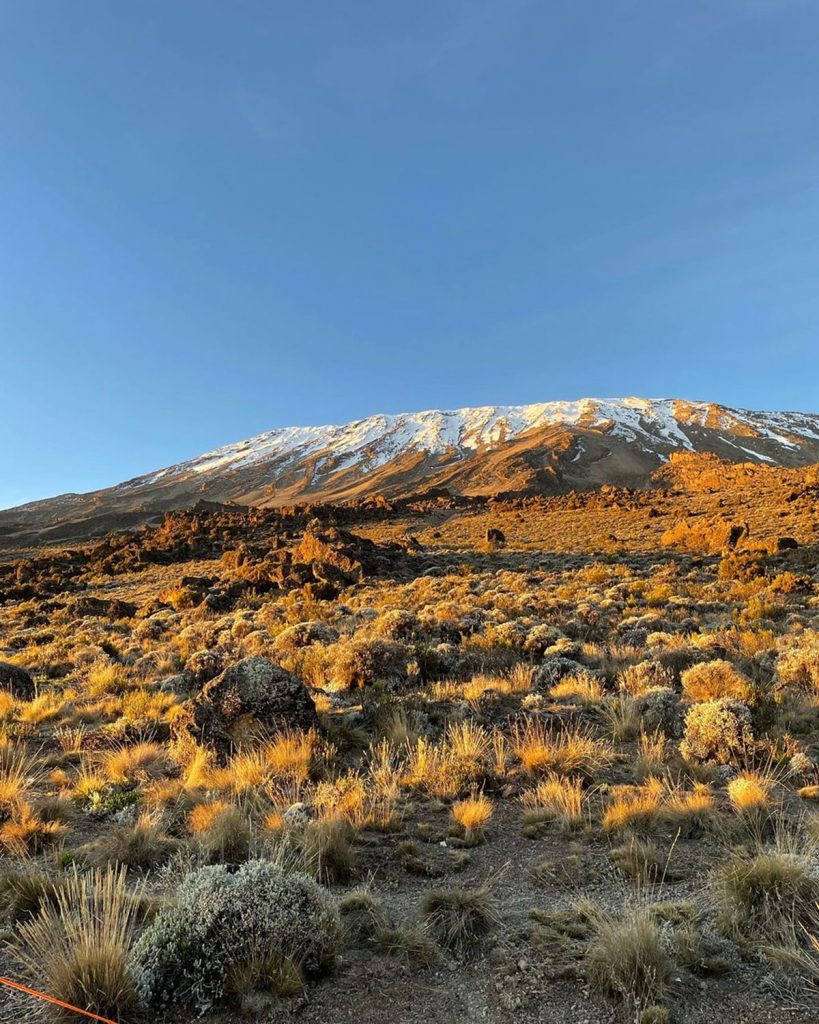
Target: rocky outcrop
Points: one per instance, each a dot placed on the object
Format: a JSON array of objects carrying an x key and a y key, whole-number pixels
[
  {"x": 100, "y": 607},
  {"x": 253, "y": 692}
]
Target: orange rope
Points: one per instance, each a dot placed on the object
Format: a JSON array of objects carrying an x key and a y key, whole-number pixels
[{"x": 56, "y": 1002}]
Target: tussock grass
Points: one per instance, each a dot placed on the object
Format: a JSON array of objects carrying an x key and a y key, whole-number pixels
[
  {"x": 77, "y": 948},
  {"x": 141, "y": 762},
  {"x": 658, "y": 804},
  {"x": 458, "y": 918},
  {"x": 221, "y": 832},
  {"x": 145, "y": 844},
  {"x": 566, "y": 750},
  {"x": 626, "y": 958},
  {"x": 651, "y": 755},
  {"x": 473, "y": 815},
  {"x": 766, "y": 895},
  {"x": 581, "y": 688},
  {"x": 556, "y": 798}
]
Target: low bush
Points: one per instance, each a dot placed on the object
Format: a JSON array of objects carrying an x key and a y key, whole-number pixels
[
  {"x": 257, "y": 922},
  {"x": 718, "y": 731}
]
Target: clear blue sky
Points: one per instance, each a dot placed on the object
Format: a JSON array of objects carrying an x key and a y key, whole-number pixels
[{"x": 219, "y": 218}]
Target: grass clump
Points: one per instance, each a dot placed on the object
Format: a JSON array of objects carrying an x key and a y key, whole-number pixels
[
  {"x": 143, "y": 844},
  {"x": 473, "y": 815},
  {"x": 555, "y": 799},
  {"x": 766, "y": 896},
  {"x": 221, "y": 832},
  {"x": 77, "y": 948},
  {"x": 564, "y": 751},
  {"x": 458, "y": 917},
  {"x": 363, "y": 918},
  {"x": 325, "y": 849},
  {"x": 23, "y": 893},
  {"x": 626, "y": 959}
]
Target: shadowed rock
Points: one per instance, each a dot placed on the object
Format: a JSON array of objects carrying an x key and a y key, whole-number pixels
[
  {"x": 254, "y": 691},
  {"x": 16, "y": 681}
]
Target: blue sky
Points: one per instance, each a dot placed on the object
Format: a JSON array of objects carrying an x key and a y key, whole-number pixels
[{"x": 219, "y": 218}]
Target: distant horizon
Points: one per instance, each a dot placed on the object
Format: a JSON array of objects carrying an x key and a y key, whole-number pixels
[
  {"x": 407, "y": 412},
  {"x": 224, "y": 219}
]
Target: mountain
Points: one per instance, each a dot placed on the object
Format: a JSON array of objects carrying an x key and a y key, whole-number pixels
[{"x": 543, "y": 448}]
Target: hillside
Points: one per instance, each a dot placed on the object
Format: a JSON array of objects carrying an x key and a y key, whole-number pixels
[{"x": 515, "y": 747}]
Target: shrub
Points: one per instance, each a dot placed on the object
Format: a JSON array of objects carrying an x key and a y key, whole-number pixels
[
  {"x": 362, "y": 662},
  {"x": 304, "y": 634},
  {"x": 659, "y": 711},
  {"x": 798, "y": 661},
  {"x": 225, "y": 923},
  {"x": 712, "y": 680},
  {"x": 719, "y": 731},
  {"x": 77, "y": 948}
]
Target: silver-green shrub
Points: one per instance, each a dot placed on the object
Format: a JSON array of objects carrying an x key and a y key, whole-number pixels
[
  {"x": 718, "y": 731},
  {"x": 223, "y": 920}
]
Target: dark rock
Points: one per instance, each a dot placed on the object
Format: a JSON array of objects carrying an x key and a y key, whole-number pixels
[
  {"x": 254, "y": 691},
  {"x": 180, "y": 684},
  {"x": 786, "y": 544},
  {"x": 218, "y": 601},
  {"x": 738, "y": 531},
  {"x": 16, "y": 681},
  {"x": 100, "y": 607}
]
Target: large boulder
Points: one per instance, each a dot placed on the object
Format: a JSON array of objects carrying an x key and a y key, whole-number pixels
[
  {"x": 16, "y": 681},
  {"x": 252, "y": 692}
]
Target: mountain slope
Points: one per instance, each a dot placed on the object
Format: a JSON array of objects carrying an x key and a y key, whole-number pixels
[{"x": 546, "y": 447}]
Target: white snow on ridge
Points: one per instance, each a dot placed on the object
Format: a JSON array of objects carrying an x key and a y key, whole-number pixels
[{"x": 376, "y": 440}]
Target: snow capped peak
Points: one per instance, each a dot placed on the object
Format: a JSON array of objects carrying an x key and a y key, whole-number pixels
[{"x": 658, "y": 425}]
